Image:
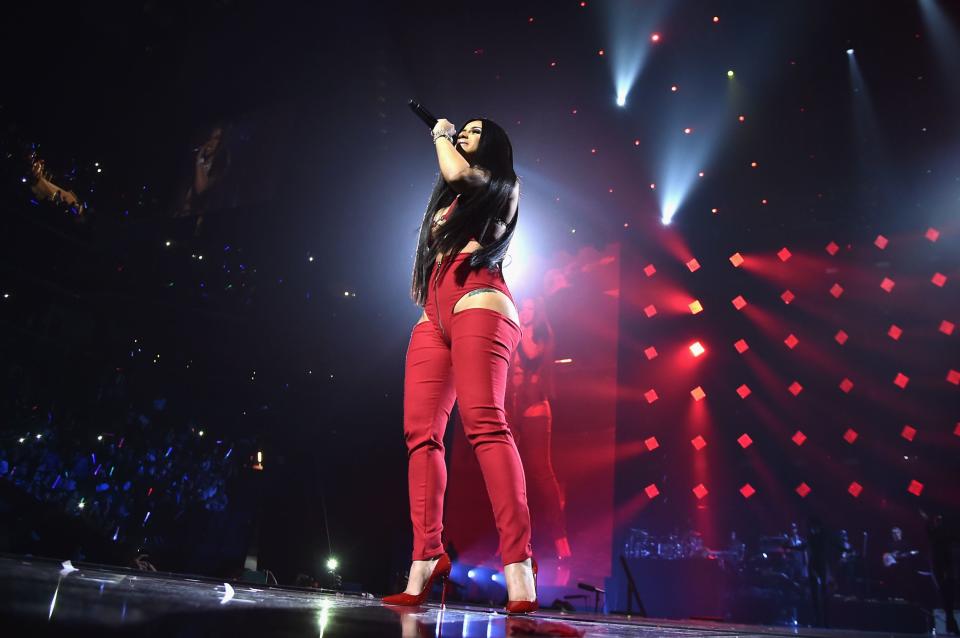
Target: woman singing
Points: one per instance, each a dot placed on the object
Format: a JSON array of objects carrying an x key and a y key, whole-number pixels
[
  {"x": 460, "y": 351},
  {"x": 528, "y": 408}
]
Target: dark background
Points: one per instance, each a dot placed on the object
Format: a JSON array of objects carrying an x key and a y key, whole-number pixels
[{"x": 331, "y": 165}]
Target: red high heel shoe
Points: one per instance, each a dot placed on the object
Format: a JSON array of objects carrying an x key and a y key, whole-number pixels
[
  {"x": 441, "y": 570},
  {"x": 525, "y": 606}
]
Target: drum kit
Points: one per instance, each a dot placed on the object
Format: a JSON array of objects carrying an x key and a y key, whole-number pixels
[{"x": 642, "y": 544}]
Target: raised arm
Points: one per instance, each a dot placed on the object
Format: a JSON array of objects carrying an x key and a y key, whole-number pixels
[{"x": 454, "y": 168}]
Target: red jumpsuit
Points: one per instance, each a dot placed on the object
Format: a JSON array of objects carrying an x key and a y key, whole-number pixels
[{"x": 462, "y": 357}]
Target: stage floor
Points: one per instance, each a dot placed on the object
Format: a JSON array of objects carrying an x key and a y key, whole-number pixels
[{"x": 41, "y": 597}]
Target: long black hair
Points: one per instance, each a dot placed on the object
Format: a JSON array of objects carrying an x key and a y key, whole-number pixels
[{"x": 482, "y": 213}]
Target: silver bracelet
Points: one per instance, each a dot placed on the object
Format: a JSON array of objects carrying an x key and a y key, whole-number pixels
[{"x": 439, "y": 135}]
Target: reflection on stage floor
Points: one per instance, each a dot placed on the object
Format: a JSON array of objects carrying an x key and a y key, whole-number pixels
[{"x": 41, "y": 597}]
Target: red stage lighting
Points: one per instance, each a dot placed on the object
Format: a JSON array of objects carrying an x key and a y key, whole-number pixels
[
  {"x": 946, "y": 327},
  {"x": 649, "y": 271},
  {"x": 850, "y": 436},
  {"x": 700, "y": 491},
  {"x": 881, "y": 242},
  {"x": 695, "y": 307},
  {"x": 697, "y": 393},
  {"x": 956, "y": 429},
  {"x": 887, "y": 284},
  {"x": 908, "y": 432},
  {"x": 747, "y": 490},
  {"x": 696, "y": 349},
  {"x": 651, "y": 353},
  {"x": 855, "y": 489},
  {"x": 803, "y": 490},
  {"x": 791, "y": 341},
  {"x": 739, "y": 302},
  {"x": 798, "y": 438},
  {"x": 846, "y": 385},
  {"x": 832, "y": 248},
  {"x": 894, "y": 332},
  {"x": 787, "y": 297},
  {"x": 736, "y": 259},
  {"x": 841, "y": 337},
  {"x": 783, "y": 253},
  {"x": 652, "y": 443},
  {"x": 698, "y": 442},
  {"x": 655, "y": 37},
  {"x": 938, "y": 280},
  {"x": 741, "y": 346},
  {"x": 836, "y": 290},
  {"x": 744, "y": 440},
  {"x": 953, "y": 377},
  {"x": 650, "y": 396},
  {"x": 650, "y": 310},
  {"x": 795, "y": 388},
  {"x": 693, "y": 265},
  {"x": 932, "y": 234},
  {"x": 915, "y": 488},
  {"x": 901, "y": 380},
  {"x": 651, "y": 491},
  {"x": 744, "y": 391}
]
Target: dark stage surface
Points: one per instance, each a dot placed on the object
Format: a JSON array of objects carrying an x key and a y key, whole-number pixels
[{"x": 43, "y": 597}]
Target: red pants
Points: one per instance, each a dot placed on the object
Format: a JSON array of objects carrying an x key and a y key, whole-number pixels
[{"x": 467, "y": 362}]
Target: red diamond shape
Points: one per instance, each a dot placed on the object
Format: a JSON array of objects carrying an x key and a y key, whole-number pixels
[
  {"x": 649, "y": 270},
  {"x": 650, "y": 310},
  {"x": 832, "y": 248},
  {"x": 698, "y": 442},
  {"x": 915, "y": 488},
  {"x": 946, "y": 327},
  {"x": 956, "y": 429},
  {"x": 693, "y": 265},
  {"x": 744, "y": 391},
  {"x": 695, "y": 307},
  {"x": 953, "y": 377},
  {"x": 880, "y": 242},
  {"x": 901, "y": 380},
  {"x": 850, "y": 435},
  {"x": 651, "y": 491},
  {"x": 652, "y": 443},
  {"x": 651, "y": 352},
  {"x": 745, "y": 441},
  {"x": 894, "y": 332},
  {"x": 798, "y": 438},
  {"x": 932, "y": 234},
  {"x": 700, "y": 491},
  {"x": 836, "y": 290},
  {"x": 887, "y": 284},
  {"x": 787, "y": 297},
  {"x": 908, "y": 432},
  {"x": 795, "y": 388},
  {"x": 650, "y": 396},
  {"x": 791, "y": 341},
  {"x": 784, "y": 254},
  {"x": 803, "y": 489},
  {"x": 855, "y": 489},
  {"x": 697, "y": 393},
  {"x": 747, "y": 490},
  {"x": 741, "y": 346},
  {"x": 841, "y": 337},
  {"x": 739, "y": 302},
  {"x": 938, "y": 279},
  {"x": 846, "y": 385},
  {"x": 736, "y": 259}
]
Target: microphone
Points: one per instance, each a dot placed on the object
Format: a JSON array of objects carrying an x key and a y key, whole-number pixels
[
  {"x": 589, "y": 587},
  {"x": 425, "y": 115}
]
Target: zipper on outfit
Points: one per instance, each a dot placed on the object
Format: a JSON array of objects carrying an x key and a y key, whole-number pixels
[{"x": 436, "y": 292}]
